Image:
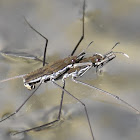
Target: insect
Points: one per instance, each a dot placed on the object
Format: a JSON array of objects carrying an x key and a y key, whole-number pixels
[{"x": 71, "y": 66}]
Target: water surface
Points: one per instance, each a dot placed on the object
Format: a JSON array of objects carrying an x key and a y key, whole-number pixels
[{"x": 106, "y": 22}]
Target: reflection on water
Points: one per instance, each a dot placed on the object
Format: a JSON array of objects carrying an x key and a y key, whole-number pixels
[{"x": 107, "y": 22}]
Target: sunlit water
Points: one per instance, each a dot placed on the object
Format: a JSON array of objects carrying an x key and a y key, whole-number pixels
[{"x": 106, "y": 22}]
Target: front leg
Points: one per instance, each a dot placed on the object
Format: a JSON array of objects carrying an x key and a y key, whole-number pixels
[{"x": 82, "y": 68}]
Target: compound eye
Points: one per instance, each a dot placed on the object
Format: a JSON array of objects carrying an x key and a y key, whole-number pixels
[
  {"x": 98, "y": 60},
  {"x": 73, "y": 61}
]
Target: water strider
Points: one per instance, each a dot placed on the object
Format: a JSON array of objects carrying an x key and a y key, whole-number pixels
[{"x": 71, "y": 66}]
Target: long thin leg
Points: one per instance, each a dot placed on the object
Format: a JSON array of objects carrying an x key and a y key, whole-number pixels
[
  {"x": 79, "y": 102},
  {"x": 52, "y": 122},
  {"x": 60, "y": 112},
  {"x": 21, "y": 105},
  {"x": 44, "y": 57},
  {"x": 61, "y": 103},
  {"x": 18, "y": 55},
  {"x": 82, "y": 37},
  {"x": 107, "y": 93}
]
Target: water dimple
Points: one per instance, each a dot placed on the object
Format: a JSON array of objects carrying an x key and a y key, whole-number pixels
[
  {"x": 15, "y": 136},
  {"x": 100, "y": 72},
  {"x": 5, "y": 115}
]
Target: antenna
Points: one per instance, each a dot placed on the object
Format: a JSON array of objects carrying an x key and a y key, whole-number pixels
[
  {"x": 83, "y": 52},
  {"x": 123, "y": 54},
  {"x": 119, "y": 52},
  {"x": 115, "y": 45}
]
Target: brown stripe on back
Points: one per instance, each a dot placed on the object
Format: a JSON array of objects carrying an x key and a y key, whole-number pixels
[{"x": 49, "y": 69}]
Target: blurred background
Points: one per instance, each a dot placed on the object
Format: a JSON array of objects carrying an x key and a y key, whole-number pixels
[{"x": 106, "y": 22}]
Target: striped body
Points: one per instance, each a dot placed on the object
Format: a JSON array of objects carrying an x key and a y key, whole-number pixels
[
  {"x": 67, "y": 65},
  {"x": 50, "y": 71}
]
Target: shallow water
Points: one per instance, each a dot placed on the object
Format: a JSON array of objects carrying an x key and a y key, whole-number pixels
[{"x": 106, "y": 22}]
